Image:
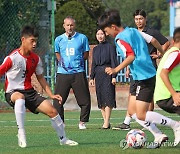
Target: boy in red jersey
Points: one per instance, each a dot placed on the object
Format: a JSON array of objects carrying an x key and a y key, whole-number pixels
[{"x": 18, "y": 68}]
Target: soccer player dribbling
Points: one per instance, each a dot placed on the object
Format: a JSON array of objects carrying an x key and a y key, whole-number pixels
[
  {"x": 132, "y": 47},
  {"x": 18, "y": 68}
]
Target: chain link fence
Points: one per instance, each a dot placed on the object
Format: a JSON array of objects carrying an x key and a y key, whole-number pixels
[{"x": 14, "y": 15}]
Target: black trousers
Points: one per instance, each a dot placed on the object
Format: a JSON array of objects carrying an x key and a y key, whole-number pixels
[{"x": 79, "y": 84}]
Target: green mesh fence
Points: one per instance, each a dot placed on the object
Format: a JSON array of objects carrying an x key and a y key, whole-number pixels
[{"x": 14, "y": 14}]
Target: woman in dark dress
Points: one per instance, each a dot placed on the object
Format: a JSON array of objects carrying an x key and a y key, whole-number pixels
[{"x": 104, "y": 55}]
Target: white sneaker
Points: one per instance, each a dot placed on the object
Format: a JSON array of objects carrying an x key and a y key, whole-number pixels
[
  {"x": 82, "y": 126},
  {"x": 66, "y": 141},
  {"x": 177, "y": 136},
  {"x": 161, "y": 138},
  {"x": 22, "y": 140},
  {"x": 158, "y": 141}
]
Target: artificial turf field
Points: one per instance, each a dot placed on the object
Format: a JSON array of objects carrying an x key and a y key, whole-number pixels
[{"x": 42, "y": 139}]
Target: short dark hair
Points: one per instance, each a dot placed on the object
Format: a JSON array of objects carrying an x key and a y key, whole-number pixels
[
  {"x": 176, "y": 35},
  {"x": 108, "y": 18},
  {"x": 139, "y": 12},
  {"x": 29, "y": 31}
]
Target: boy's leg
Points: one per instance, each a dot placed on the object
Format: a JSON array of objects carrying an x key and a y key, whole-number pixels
[
  {"x": 151, "y": 106},
  {"x": 144, "y": 95},
  {"x": 20, "y": 111},
  {"x": 141, "y": 110},
  {"x": 131, "y": 110},
  {"x": 160, "y": 119},
  {"x": 131, "y": 104},
  {"x": 57, "y": 123},
  {"x": 157, "y": 118}
]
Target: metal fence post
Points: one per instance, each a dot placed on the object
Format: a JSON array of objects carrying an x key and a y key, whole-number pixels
[{"x": 52, "y": 46}]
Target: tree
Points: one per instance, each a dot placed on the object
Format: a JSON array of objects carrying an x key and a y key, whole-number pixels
[
  {"x": 94, "y": 7},
  {"x": 84, "y": 22},
  {"x": 157, "y": 12}
]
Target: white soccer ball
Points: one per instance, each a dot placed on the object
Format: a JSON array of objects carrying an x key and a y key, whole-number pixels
[{"x": 136, "y": 138}]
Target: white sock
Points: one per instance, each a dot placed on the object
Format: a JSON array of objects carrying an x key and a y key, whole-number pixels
[
  {"x": 148, "y": 125},
  {"x": 20, "y": 111},
  {"x": 157, "y": 118},
  {"x": 57, "y": 124},
  {"x": 127, "y": 120}
]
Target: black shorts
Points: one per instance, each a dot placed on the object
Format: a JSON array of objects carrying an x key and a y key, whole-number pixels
[
  {"x": 132, "y": 89},
  {"x": 143, "y": 89},
  {"x": 32, "y": 99},
  {"x": 78, "y": 83},
  {"x": 168, "y": 106}
]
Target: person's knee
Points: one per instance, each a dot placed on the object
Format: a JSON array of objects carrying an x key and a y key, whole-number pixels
[
  {"x": 52, "y": 113},
  {"x": 17, "y": 95},
  {"x": 141, "y": 116}
]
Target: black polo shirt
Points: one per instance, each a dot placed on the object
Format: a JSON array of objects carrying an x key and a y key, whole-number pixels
[{"x": 158, "y": 36}]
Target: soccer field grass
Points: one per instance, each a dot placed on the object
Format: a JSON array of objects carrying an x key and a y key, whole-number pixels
[{"x": 42, "y": 139}]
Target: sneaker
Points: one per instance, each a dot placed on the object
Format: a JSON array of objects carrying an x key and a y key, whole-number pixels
[
  {"x": 122, "y": 126},
  {"x": 158, "y": 141},
  {"x": 68, "y": 142},
  {"x": 22, "y": 140},
  {"x": 82, "y": 126},
  {"x": 177, "y": 136}
]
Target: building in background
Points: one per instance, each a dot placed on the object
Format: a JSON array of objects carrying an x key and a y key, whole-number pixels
[{"x": 174, "y": 15}]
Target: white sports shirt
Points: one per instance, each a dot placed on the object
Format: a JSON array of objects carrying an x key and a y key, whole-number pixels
[{"x": 18, "y": 70}]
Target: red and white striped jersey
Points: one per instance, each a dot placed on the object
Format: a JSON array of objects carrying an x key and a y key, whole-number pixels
[{"x": 18, "y": 70}]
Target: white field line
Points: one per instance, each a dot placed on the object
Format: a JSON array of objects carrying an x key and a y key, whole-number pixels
[{"x": 4, "y": 121}]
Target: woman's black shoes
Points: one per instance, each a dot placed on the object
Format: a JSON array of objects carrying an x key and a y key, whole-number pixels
[{"x": 106, "y": 127}]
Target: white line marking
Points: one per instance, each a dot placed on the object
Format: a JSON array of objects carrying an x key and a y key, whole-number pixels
[{"x": 4, "y": 121}]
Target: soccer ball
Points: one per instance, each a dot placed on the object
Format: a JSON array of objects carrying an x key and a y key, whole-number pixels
[{"x": 136, "y": 138}]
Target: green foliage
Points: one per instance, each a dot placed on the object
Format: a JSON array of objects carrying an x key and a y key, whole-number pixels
[
  {"x": 157, "y": 12},
  {"x": 2, "y": 97},
  {"x": 84, "y": 23},
  {"x": 94, "y": 7},
  {"x": 14, "y": 14}
]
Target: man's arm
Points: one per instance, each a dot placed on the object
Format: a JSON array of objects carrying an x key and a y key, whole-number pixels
[
  {"x": 166, "y": 45},
  {"x": 157, "y": 45},
  {"x": 86, "y": 55},
  {"x": 58, "y": 56},
  {"x": 150, "y": 39},
  {"x": 46, "y": 87}
]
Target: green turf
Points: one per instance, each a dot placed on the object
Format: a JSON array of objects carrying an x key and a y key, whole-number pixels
[{"x": 41, "y": 138}]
